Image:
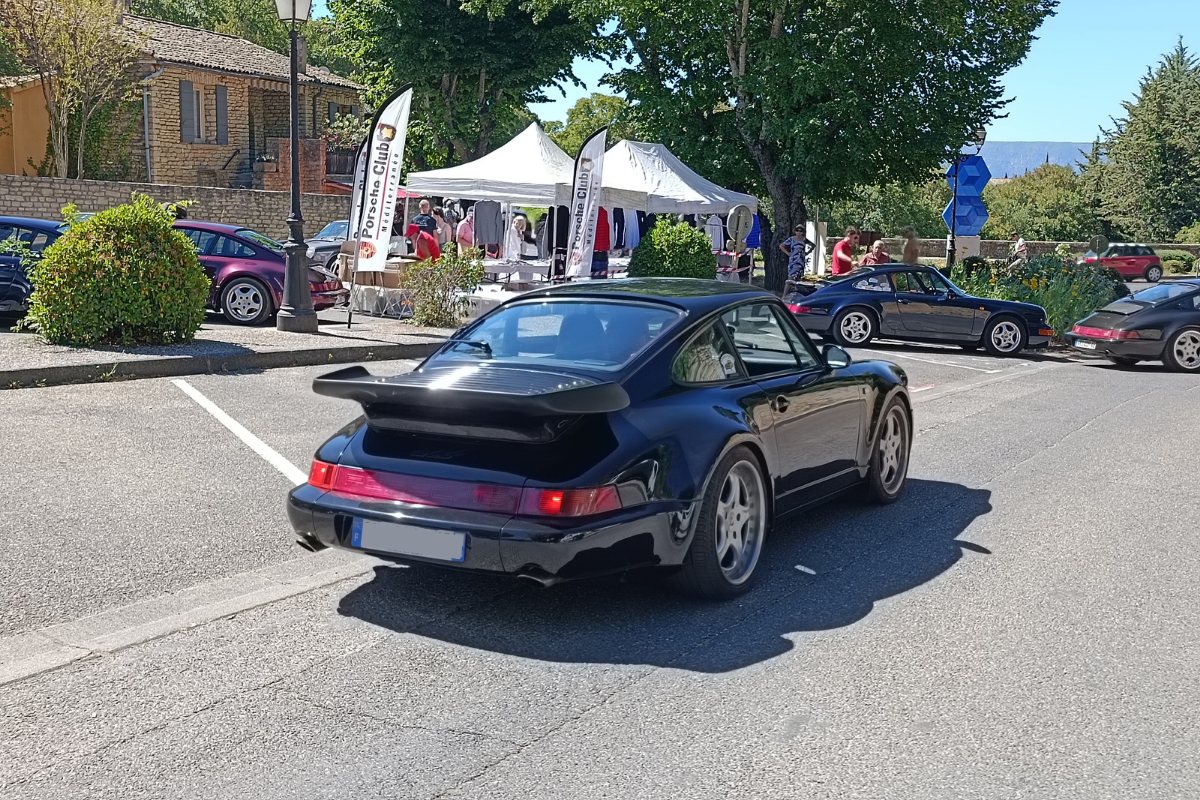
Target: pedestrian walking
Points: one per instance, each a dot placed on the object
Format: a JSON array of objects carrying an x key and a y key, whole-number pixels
[
  {"x": 843, "y": 253},
  {"x": 912, "y": 250},
  {"x": 796, "y": 247},
  {"x": 1020, "y": 250}
]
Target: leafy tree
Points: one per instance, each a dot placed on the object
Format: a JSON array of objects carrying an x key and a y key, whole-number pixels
[
  {"x": 473, "y": 74},
  {"x": 588, "y": 115},
  {"x": 1047, "y": 204},
  {"x": 83, "y": 58},
  {"x": 1144, "y": 174},
  {"x": 807, "y": 100},
  {"x": 891, "y": 208}
]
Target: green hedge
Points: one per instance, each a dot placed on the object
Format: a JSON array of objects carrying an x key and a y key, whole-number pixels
[
  {"x": 673, "y": 250},
  {"x": 124, "y": 276},
  {"x": 435, "y": 286}
]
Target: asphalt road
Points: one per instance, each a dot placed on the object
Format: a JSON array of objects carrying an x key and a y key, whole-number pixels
[{"x": 1022, "y": 623}]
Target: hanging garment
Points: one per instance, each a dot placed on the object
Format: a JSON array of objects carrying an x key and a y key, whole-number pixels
[
  {"x": 562, "y": 229},
  {"x": 755, "y": 238},
  {"x": 643, "y": 224},
  {"x": 690, "y": 219},
  {"x": 603, "y": 233},
  {"x": 633, "y": 230},
  {"x": 715, "y": 232},
  {"x": 540, "y": 232},
  {"x": 618, "y": 229},
  {"x": 489, "y": 226}
]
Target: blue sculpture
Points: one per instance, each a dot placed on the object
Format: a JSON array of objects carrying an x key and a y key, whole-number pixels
[{"x": 971, "y": 215}]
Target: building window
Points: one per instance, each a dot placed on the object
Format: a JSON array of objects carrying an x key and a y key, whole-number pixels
[{"x": 198, "y": 99}]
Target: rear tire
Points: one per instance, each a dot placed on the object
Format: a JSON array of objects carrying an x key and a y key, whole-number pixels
[
  {"x": 888, "y": 467},
  {"x": 246, "y": 301},
  {"x": 1182, "y": 353},
  {"x": 854, "y": 327},
  {"x": 1153, "y": 274},
  {"x": 731, "y": 529},
  {"x": 1005, "y": 336}
]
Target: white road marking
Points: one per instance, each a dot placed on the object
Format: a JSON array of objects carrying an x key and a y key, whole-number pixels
[
  {"x": 293, "y": 473},
  {"x": 922, "y": 388},
  {"x": 934, "y": 361},
  {"x": 966, "y": 386},
  {"x": 806, "y": 570}
]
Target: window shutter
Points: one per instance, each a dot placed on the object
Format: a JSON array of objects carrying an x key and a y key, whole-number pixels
[
  {"x": 333, "y": 111},
  {"x": 222, "y": 115},
  {"x": 354, "y": 111},
  {"x": 187, "y": 112}
]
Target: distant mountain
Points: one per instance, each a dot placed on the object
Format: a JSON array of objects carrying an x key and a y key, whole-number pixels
[{"x": 1010, "y": 159}]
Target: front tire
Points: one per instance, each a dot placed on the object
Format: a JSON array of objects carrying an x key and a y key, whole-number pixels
[
  {"x": 888, "y": 467},
  {"x": 1153, "y": 274},
  {"x": 1182, "y": 353},
  {"x": 246, "y": 301},
  {"x": 730, "y": 532},
  {"x": 1005, "y": 336},
  {"x": 854, "y": 327}
]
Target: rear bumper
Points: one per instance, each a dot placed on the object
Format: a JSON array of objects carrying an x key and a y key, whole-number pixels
[
  {"x": 1147, "y": 350},
  {"x": 654, "y": 534},
  {"x": 814, "y": 323},
  {"x": 328, "y": 299}
]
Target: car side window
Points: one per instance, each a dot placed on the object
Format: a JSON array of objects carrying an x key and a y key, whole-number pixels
[
  {"x": 36, "y": 241},
  {"x": 760, "y": 339},
  {"x": 226, "y": 247},
  {"x": 800, "y": 344},
  {"x": 706, "y": 358},
  {"x": 201, "y": 239},
  {"x": 937, "y": 283},
  {"x": 875, "y": 283},
  {"x": 913, "y": 282}
]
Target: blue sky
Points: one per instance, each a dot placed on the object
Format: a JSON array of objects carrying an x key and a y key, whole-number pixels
[{"x": 1087, "y": 59}]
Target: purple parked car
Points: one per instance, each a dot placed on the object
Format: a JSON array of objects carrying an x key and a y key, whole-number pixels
[{"x": 246, "y": 269}]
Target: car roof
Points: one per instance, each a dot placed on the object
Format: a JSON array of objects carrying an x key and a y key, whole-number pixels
[
  {"x": 218, "y": 227},
  {"x": 691, "y": 294},
  {"x": 42, "y": 224}
]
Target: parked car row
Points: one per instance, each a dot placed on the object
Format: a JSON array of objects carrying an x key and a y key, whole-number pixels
[{"x": 246, "y": 268}]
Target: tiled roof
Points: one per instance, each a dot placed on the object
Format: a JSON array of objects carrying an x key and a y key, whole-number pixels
[
  {"x": 8, "y": 81},
  {"x": 181, "y": 44}
]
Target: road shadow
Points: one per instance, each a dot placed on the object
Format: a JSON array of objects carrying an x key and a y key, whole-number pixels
[
  {"x": 852, "y": 557},
  {"x": 978, "y": 353}
]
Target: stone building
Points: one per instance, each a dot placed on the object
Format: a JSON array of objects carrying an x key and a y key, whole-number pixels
[{"x": 214, "y": 109}]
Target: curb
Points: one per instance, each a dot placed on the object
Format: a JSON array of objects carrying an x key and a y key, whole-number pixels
[{"x": 174, "y": 366}]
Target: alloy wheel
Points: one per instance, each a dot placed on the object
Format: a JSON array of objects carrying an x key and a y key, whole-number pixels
[
  {"x": 1186, "y": 349},
  {"x": 741, "y": 522},
  {"x": 855, "y": 327},
  {"x": 893, "y": 451},
  {"x": 1006, "y": 336},
  {"x": 244, "y": 301},
  {"x": 1154, "y": 274}
]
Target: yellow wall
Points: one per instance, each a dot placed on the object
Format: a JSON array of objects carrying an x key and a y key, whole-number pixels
[{"x": 26, "y": 126}]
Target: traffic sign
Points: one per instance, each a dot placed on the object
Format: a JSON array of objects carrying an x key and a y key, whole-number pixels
[
  {"x": 1098, "y": 244},
  {"x": 739, "y": 223}
]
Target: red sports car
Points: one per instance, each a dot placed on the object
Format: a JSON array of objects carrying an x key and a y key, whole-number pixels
[{"x": 246, "y": 269}]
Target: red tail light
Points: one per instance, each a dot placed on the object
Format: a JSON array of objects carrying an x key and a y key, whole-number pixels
[
  {"x": 1101, "y": 333},
  {"x": 442, "y": 493},
  {"x": 321, "y": 475},
  {"x": 570, "y": 502},
  {"x": 799, "y": 309}
]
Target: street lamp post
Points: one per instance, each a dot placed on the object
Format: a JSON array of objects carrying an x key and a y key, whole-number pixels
[
  {"x": 952, "y": 250},
  {"x": 296, "y": 314}
]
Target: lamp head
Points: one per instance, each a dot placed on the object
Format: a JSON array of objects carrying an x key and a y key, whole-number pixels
[{"x": 293, "y": 11}]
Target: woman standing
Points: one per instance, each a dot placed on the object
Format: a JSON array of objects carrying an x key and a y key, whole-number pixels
[{"x": 519, "y": 242}]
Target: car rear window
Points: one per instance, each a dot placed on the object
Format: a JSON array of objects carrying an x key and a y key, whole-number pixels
[
  {"x": 604, "y": 335},
  {"x": 1163, "y": 291}
]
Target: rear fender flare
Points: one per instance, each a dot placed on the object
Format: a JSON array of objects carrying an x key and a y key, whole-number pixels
[{"x": 684, "y": 526}]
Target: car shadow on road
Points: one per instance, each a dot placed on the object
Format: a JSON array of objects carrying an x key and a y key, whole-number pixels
[{"x": 826, "y": 569}]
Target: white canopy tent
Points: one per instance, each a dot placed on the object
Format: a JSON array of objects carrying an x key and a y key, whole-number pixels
[
  {"x": 648, "y": 177},
  {"x": 529, "y": 170}
]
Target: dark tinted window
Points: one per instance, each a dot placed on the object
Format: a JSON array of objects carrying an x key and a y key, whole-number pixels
[
  {"x": 36, "y": 241},
  {"x": 201, "y": 239},
  {"x": 1145, "y": 251},
  {"x": 226, "y": 247}
]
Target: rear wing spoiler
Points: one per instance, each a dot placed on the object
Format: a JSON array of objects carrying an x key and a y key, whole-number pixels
[{"x": 472, "y": 393}]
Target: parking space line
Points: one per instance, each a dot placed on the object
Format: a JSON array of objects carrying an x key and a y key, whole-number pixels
[
  {"x": 934, "y": 361},
  {"x": 293, "y": 473}
]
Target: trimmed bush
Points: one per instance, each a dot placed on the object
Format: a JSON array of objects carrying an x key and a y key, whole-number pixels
[
  {"x": 435, "y": 285},
  {"x": 673, "y": 250},
  {"x": 1174, "y": 255},
  {"x": 1068, "y": 291},
  {"x": 125, "y": 276}
]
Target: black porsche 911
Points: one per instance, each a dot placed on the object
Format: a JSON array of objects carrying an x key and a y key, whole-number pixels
[
  {"x": 600, "y": 427},
  {"x": 1161, "y": 323},
  {"x": 916, "y": 304}
]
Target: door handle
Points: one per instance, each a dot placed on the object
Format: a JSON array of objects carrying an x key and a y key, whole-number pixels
[
  {"x": 905, "y": 302},
  {"x": 780, "y": 404}
]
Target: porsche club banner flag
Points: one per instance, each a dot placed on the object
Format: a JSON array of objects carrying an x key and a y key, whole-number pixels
[
  {"x": 377, "y": 179},
  {"x": 360, "y": 175},
  {"x": 585, "y": 204}
]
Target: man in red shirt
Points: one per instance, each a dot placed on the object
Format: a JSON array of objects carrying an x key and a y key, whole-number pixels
[
  {"x": 425, "y": 244},
  {"x": 843, "y": 253}
]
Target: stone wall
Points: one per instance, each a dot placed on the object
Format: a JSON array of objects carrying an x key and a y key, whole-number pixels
[{"x": 44, "y": 198}]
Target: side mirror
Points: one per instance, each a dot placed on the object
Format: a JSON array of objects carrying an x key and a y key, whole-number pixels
[{"x": 835, "y": 357}]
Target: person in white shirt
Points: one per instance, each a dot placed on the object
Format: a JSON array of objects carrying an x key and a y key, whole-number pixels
[{"x": 1020, "y": 249}]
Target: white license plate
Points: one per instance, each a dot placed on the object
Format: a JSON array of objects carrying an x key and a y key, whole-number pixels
[
  {"x": 1084, "y": 344},
  {"x": 408, "y": 540}
]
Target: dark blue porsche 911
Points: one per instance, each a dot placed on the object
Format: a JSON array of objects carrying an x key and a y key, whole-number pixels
[
  {"x": 918, "y": 304},
  {"x": 605, "y": 426}
]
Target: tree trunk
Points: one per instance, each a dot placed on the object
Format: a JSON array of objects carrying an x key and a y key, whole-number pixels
[
  {"x": 61, "y": 146},
  {"x": 83, "y": 121},
  {"x": 789, "y": 211}
]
